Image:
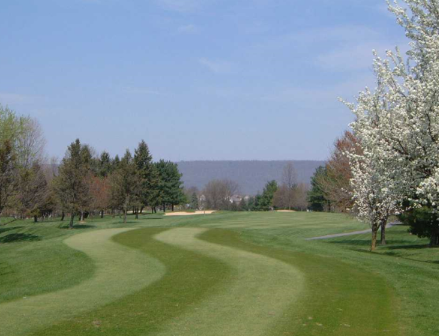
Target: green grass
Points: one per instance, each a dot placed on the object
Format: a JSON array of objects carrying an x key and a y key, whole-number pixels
[{"x": 337, "y": 286}]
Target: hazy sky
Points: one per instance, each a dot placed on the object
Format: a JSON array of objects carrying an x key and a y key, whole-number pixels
[{"x": 197, "y": 79}]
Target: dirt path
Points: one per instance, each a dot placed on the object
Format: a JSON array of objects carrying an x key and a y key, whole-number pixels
[
  {"x": 119, "y": 271},
  {"x": 261, "y": 290}
]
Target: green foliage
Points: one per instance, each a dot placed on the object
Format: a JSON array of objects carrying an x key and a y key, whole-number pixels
[
  {"x": 265, "y": 202},
  {"x": 423, "y": 223},
  {"x": 124, "y": 188},
  {"x": 72, "y": 183},
  {"x": 316, "y": 197},
  {"x": 147, "y": 176},
  {"x": 105, "y": 167},
  {"x": 170, "y": 184},
  {"x": 194, "y": 201}
]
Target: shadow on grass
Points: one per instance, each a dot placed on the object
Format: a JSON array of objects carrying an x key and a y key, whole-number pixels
[
  {"x": 77, "y": 226},
  {"x": 391, "y": 244},
  {"x": 9, "y": 229},
  {"x": 18, "y": 237}
]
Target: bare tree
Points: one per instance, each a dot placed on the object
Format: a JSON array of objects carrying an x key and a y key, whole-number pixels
[
  {"x": 30, "y": 143},
  {"x": 289, "y": 176},
  {"x": 300, "y": 197},
  {"x": 7, "y": 174},
  {"x": 284, "y": 196},
  {"x": 218, "y": 194}
]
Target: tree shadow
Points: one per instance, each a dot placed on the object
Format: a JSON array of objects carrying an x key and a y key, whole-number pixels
[
  {"x": 77, "y": 226},
  {"x": 391, "y": 244},
  {"x": 409, "y": 247},
  {"x": 19, "y": 237},
  {"x": 5, "y": 229},
  {"x": 352, "y": 242}
]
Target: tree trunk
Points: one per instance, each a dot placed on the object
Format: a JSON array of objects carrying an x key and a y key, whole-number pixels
[
  {"x": 383, "y": 232},
  {"x": 102, "y": 213},
  {"x": 172, "y": 207},
  {"x": 62, "y": 216},
  {"x": 137, "y": 213},
  {"x": 374, "y": 237},
  {"x": 434, "y": 238},
  {"x": 72, "y": 217},
  {"x": 35, "y": 219},
  {"x": 164, "y": 207},
  {"x": 125, "y": 215}
]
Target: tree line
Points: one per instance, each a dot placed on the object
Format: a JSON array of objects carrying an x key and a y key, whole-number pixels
[
  {"x": 224, "y": 195},
  {"x": 84, "y": 183}
]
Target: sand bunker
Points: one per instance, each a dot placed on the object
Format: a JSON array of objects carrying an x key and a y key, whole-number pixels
[
  {"x": 182, "y": 213},
  {"x": 285, "y": 211}
]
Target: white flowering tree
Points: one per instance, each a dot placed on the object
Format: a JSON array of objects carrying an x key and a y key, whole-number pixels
[{"x": 398, "y": 123}]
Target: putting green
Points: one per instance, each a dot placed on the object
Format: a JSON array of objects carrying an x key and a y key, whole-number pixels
[
  {"x": 119, "y": 271},
  {"x": 260, "y": 290}
]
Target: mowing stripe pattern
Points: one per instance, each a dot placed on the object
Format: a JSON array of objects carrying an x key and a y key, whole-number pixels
[
  {"x": 119, "y": 271},
  {"x": 261, "y": 289}
]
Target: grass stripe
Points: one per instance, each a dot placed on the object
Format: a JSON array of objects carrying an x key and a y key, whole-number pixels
[
  {"x": 119, "y": 271},
  {"x": 261, "y": 289},
  {"x": 190, "y": 278}
]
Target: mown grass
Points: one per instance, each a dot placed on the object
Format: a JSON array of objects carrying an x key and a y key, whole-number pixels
[
  {"x": 190, "y": 277},
  {"x": 404, "y": 274}
]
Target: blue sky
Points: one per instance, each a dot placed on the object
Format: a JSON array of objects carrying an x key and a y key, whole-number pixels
[{"x": 196, "y": 79}]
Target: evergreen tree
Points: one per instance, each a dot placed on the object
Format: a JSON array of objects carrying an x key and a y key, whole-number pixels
[
  {"x": 124, "y": 184},
  {"x": 145, "y": 174},
  {"x": 170, "y": 184},
  {"x": 194, "y": 201},
  {"x": 316, "y": 196},
  {"x": 105, "y": 166},
  {"x": 71, "y": 184},
  {"x": 266, "y": 199}
]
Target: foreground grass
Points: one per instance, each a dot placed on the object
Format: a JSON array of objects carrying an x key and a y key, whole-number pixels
[{"x": 348, "y": 291}]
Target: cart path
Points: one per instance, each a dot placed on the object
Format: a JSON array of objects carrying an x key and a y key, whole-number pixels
[{"x": 388, "y": 226}]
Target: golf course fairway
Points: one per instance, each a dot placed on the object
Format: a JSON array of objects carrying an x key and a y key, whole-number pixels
[
  {"x": 119, "y": 272},
  {"x": 194, "y": 281}
]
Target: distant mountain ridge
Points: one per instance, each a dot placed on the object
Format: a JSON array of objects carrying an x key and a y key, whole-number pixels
[{"x": 250, "y": 175}]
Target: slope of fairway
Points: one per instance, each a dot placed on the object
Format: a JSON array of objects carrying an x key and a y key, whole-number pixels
[
  {"x": 337, "y": 298},
  {"x": 261, "y": 289},
  {"x": 221, "y": 285},
  {"x": 189, "y": 279},
  {"x": 119, "y": 271}
]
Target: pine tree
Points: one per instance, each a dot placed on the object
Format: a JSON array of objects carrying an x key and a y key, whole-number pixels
[
  {"x": 316, "y": 196},
  {"x": 170, "y": 184},
  {"x": 194, "y": 201},
  {"x": 266, "y": 200},
  {"x": 145, "y": 174},
  {"x": 124, "y": 184},
  {"x": 71, "y": 184}
]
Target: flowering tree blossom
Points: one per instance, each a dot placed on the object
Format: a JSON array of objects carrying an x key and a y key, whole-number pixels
[{"x": 398, "y": 122}]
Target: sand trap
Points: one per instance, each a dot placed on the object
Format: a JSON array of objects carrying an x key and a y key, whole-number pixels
[
  {"x": 182, "y": 213},
  {"x": 285, "y": 211}
]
